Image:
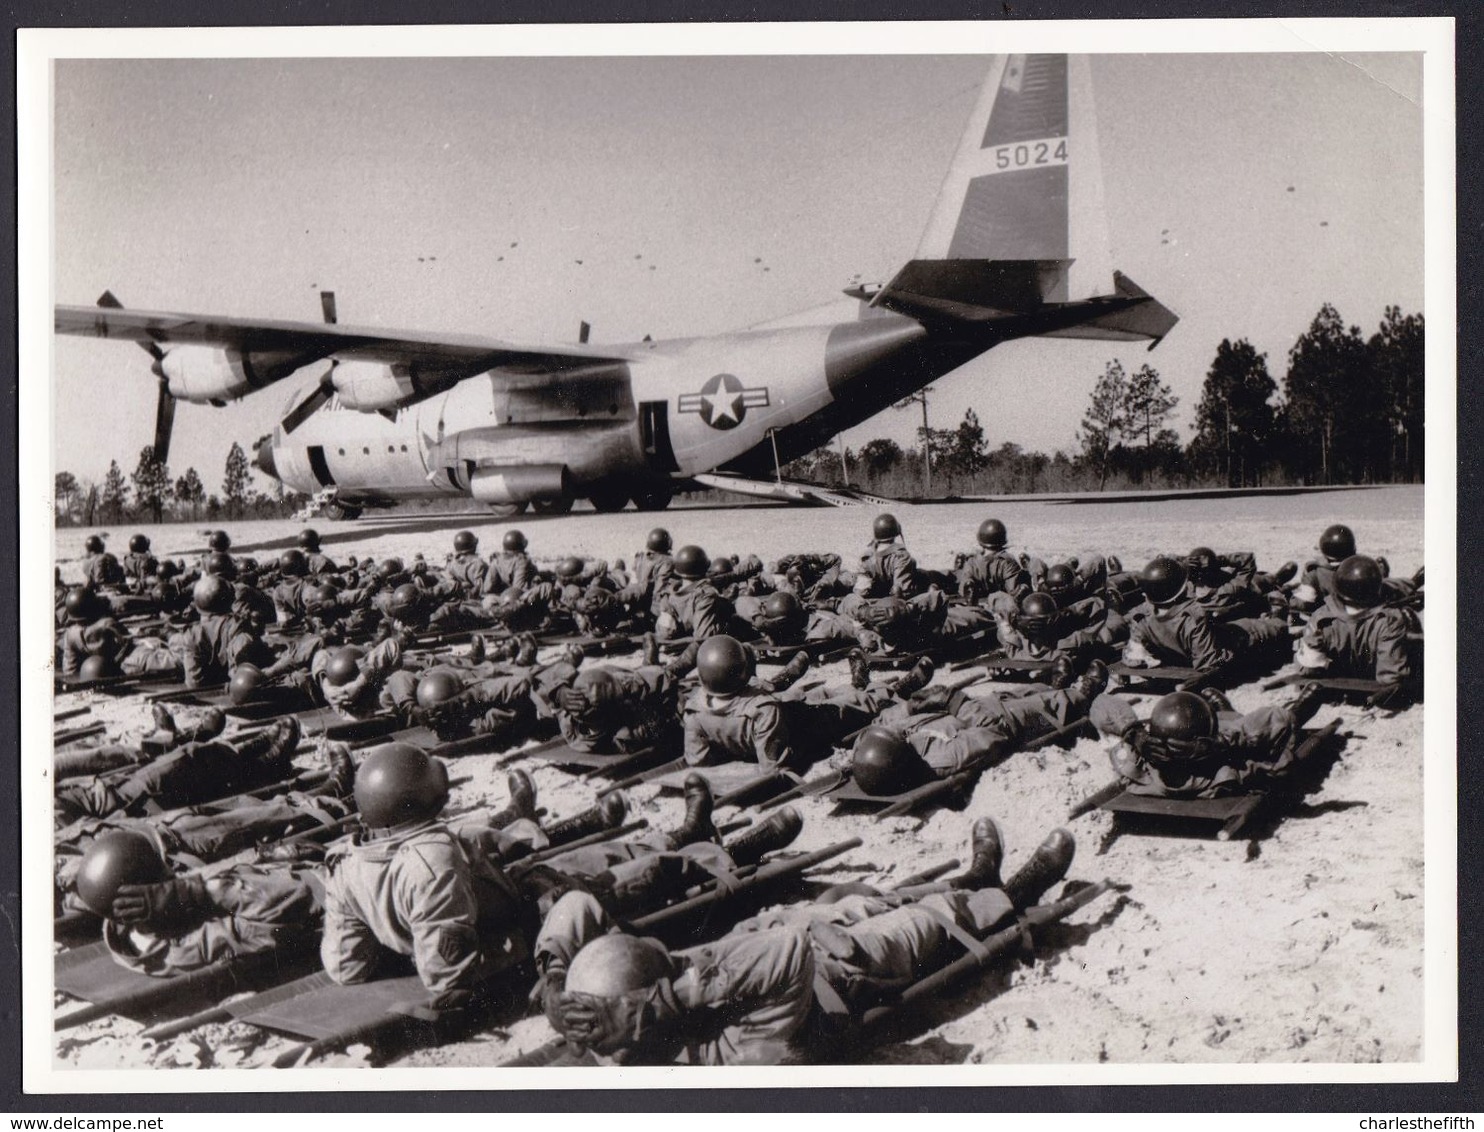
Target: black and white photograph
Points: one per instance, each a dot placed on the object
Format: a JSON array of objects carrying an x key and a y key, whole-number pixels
[{"x": 881, "y": 554}]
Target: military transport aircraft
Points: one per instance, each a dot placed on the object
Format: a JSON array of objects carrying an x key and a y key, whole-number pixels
[{"x": 406, "y": 414}]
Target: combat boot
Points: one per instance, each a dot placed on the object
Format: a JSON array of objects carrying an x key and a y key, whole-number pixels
[
  {"x": 774, "y": 832},
  {"x": 164, "y": 721},
  {"x": 696, "y": 825},
  {"x": 1217, "y": 699},
  {"x": 860, "y": 670},
  {"x": 1417, "y": 578},
  {"x": 1094, "y": 680},
  {"x": 683, "y": 663},
  {"x": 1309, "y": 698},
  {"x": 1048, "y": 864},
  {"x": 607, "y": 814},
  {"x": 572, "y": 654},
  {"x": 272, "y": 745},
  {"x": 526, "y": 656},
  {"x": 212, "y": 723},
  {"x": 1114, "y": 564},
  {"x": 1063, "y": 672},
  {"x": 988, "y": 853},
  {"x": 522, "y": 803},
  {"x": 342, "y": 780},
  {"x": 797, "y": 665},
  {"x": 917, "y": 678},
  {"x": 1286, "y": 573},
  {"x": 651, "y": 649}
]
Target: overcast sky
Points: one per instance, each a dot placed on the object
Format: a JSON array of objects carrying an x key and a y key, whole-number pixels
[{"x": 700, "y": 195}]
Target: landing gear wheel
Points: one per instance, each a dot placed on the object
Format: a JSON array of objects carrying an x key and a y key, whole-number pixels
[
  {"x": 610, "y": 500},
  {"x": 654, "y": 500},
  {"x": 553, "y": 506},
  {"x": 338, "y": 511},
  {"x": 508, "y": 510}
]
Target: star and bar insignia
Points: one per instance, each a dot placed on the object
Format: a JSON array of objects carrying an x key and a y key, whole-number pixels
[{"x": 723, "y": 402}]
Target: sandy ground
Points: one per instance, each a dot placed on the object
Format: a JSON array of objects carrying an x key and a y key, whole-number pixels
[{"x": 1303, "y": 944}]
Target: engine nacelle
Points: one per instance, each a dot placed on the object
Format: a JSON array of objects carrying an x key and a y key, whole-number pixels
[
  {"x": 371, "y": 386},
  {"x": 521, "y": 483},
  {"x": 202, "y": 374}
]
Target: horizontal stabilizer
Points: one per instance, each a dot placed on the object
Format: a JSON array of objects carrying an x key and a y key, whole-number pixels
[
  {"x": 974, "y": 289},
  {"x": 1137, "y": 315}
]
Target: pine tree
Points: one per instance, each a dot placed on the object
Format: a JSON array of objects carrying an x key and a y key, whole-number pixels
[
  {"x": 1235, "y": 421},
  {"x": 1106, "y": 420},
  {"x": 191, "y": 492},
  {"x": 64, "y": 493},
  {"x": 235, "y": 482},
  {"x": 151, "y": 484},
  {"x": 115, "y": 493}
]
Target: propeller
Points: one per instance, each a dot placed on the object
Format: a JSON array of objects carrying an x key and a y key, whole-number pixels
[
  {"x": 326, "y": 387},
  {"x": 165, "y": 405}
]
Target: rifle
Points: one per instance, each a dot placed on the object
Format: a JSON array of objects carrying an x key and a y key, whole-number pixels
[{"x": 1097, "y": 798}]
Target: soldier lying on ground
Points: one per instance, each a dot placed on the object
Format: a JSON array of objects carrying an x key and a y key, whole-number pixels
[
  {"x": 168, "y": 734},
  {"x": 750, "y": 997},
  {"x": 1356, "y": 633},
  {"x": 607, "y": 708},
  {"x": 1040, "y": 629},
  {"x": 192, "y": 836},
  {"x": 1317, "y": 581},
  {"x": 940, "y": 732},
  {"x": 412, "y": 886},
  {"x": 186, "y": 776},
  {"x": 1173, "y": 628},
  {"x": 991, "y": 572},
  {"x": 1196, "y": 746}
]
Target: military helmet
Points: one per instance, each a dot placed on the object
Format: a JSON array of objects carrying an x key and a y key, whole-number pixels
[
  {"x": 220, "y": 564},
  {"x": 514, "y": 541},
  {"x": 1358, "y": 581},
  {"x": 405, "y": 599},
  {"x": 388, "y": 568},
  {"x": 219, "y": 540},
  {"x": 168, "y": 568},
  {"x": 1182, "y": 716},
  {"x": 992, "y": 534},
  {"x": 616, "y": 964},
  {"x": 344, "y": 665},
  {"x": 399, "y": 783},
  {"x": 1059, "y": 578},
  {"x": 659, "y": 541},
  {"x": 724, "y": 664},
  {"x": 94, "y": 545},
  {"x": 691, "y": 562},
  {"x": 292, "y": 563},
  {"x": 138, "y": 544},
  {"x": 598, "y": 688},
  {"x": 1337, "y": 542},
  {"x": 437, "y": 685},
  {"x": 81, "y": 603},
  {"x": 1037, "y": 605},
  {"x": 464, "y": 542},
  {"x": 97, "y": 668},
  {"x": 883, "y": 763},
  {"x": 113, "y": 860},
  {"x": 721, "y": 564},
  {"x": 309, "y": 539},
  {"x": 886, "y": 528},
  {"x": 318, "y": 597},
  {"x": 782, "y": 604},
  {"x": 1201, "y": 558},
  {"x": 569, "y": 567},
  {"x": 101, "y": 639},
  {"x": 1162, "y": 579},
  {"x": 213, "y": 594},
  {"x": 244, "y": 683}
]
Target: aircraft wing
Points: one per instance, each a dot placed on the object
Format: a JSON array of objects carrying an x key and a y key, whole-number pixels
[{"x": 317, "y": 339}]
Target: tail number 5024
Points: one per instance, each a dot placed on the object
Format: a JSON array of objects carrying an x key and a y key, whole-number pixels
[{"x": 1030, "y": 154}]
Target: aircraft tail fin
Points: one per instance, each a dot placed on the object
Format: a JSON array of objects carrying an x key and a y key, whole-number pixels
[{"x": 1017, "y": 242}]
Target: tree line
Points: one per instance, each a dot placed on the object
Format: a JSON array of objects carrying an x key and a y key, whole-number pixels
[
  {"x": 150, "y": 495},
  {"x": 1349, "y": 409}
]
